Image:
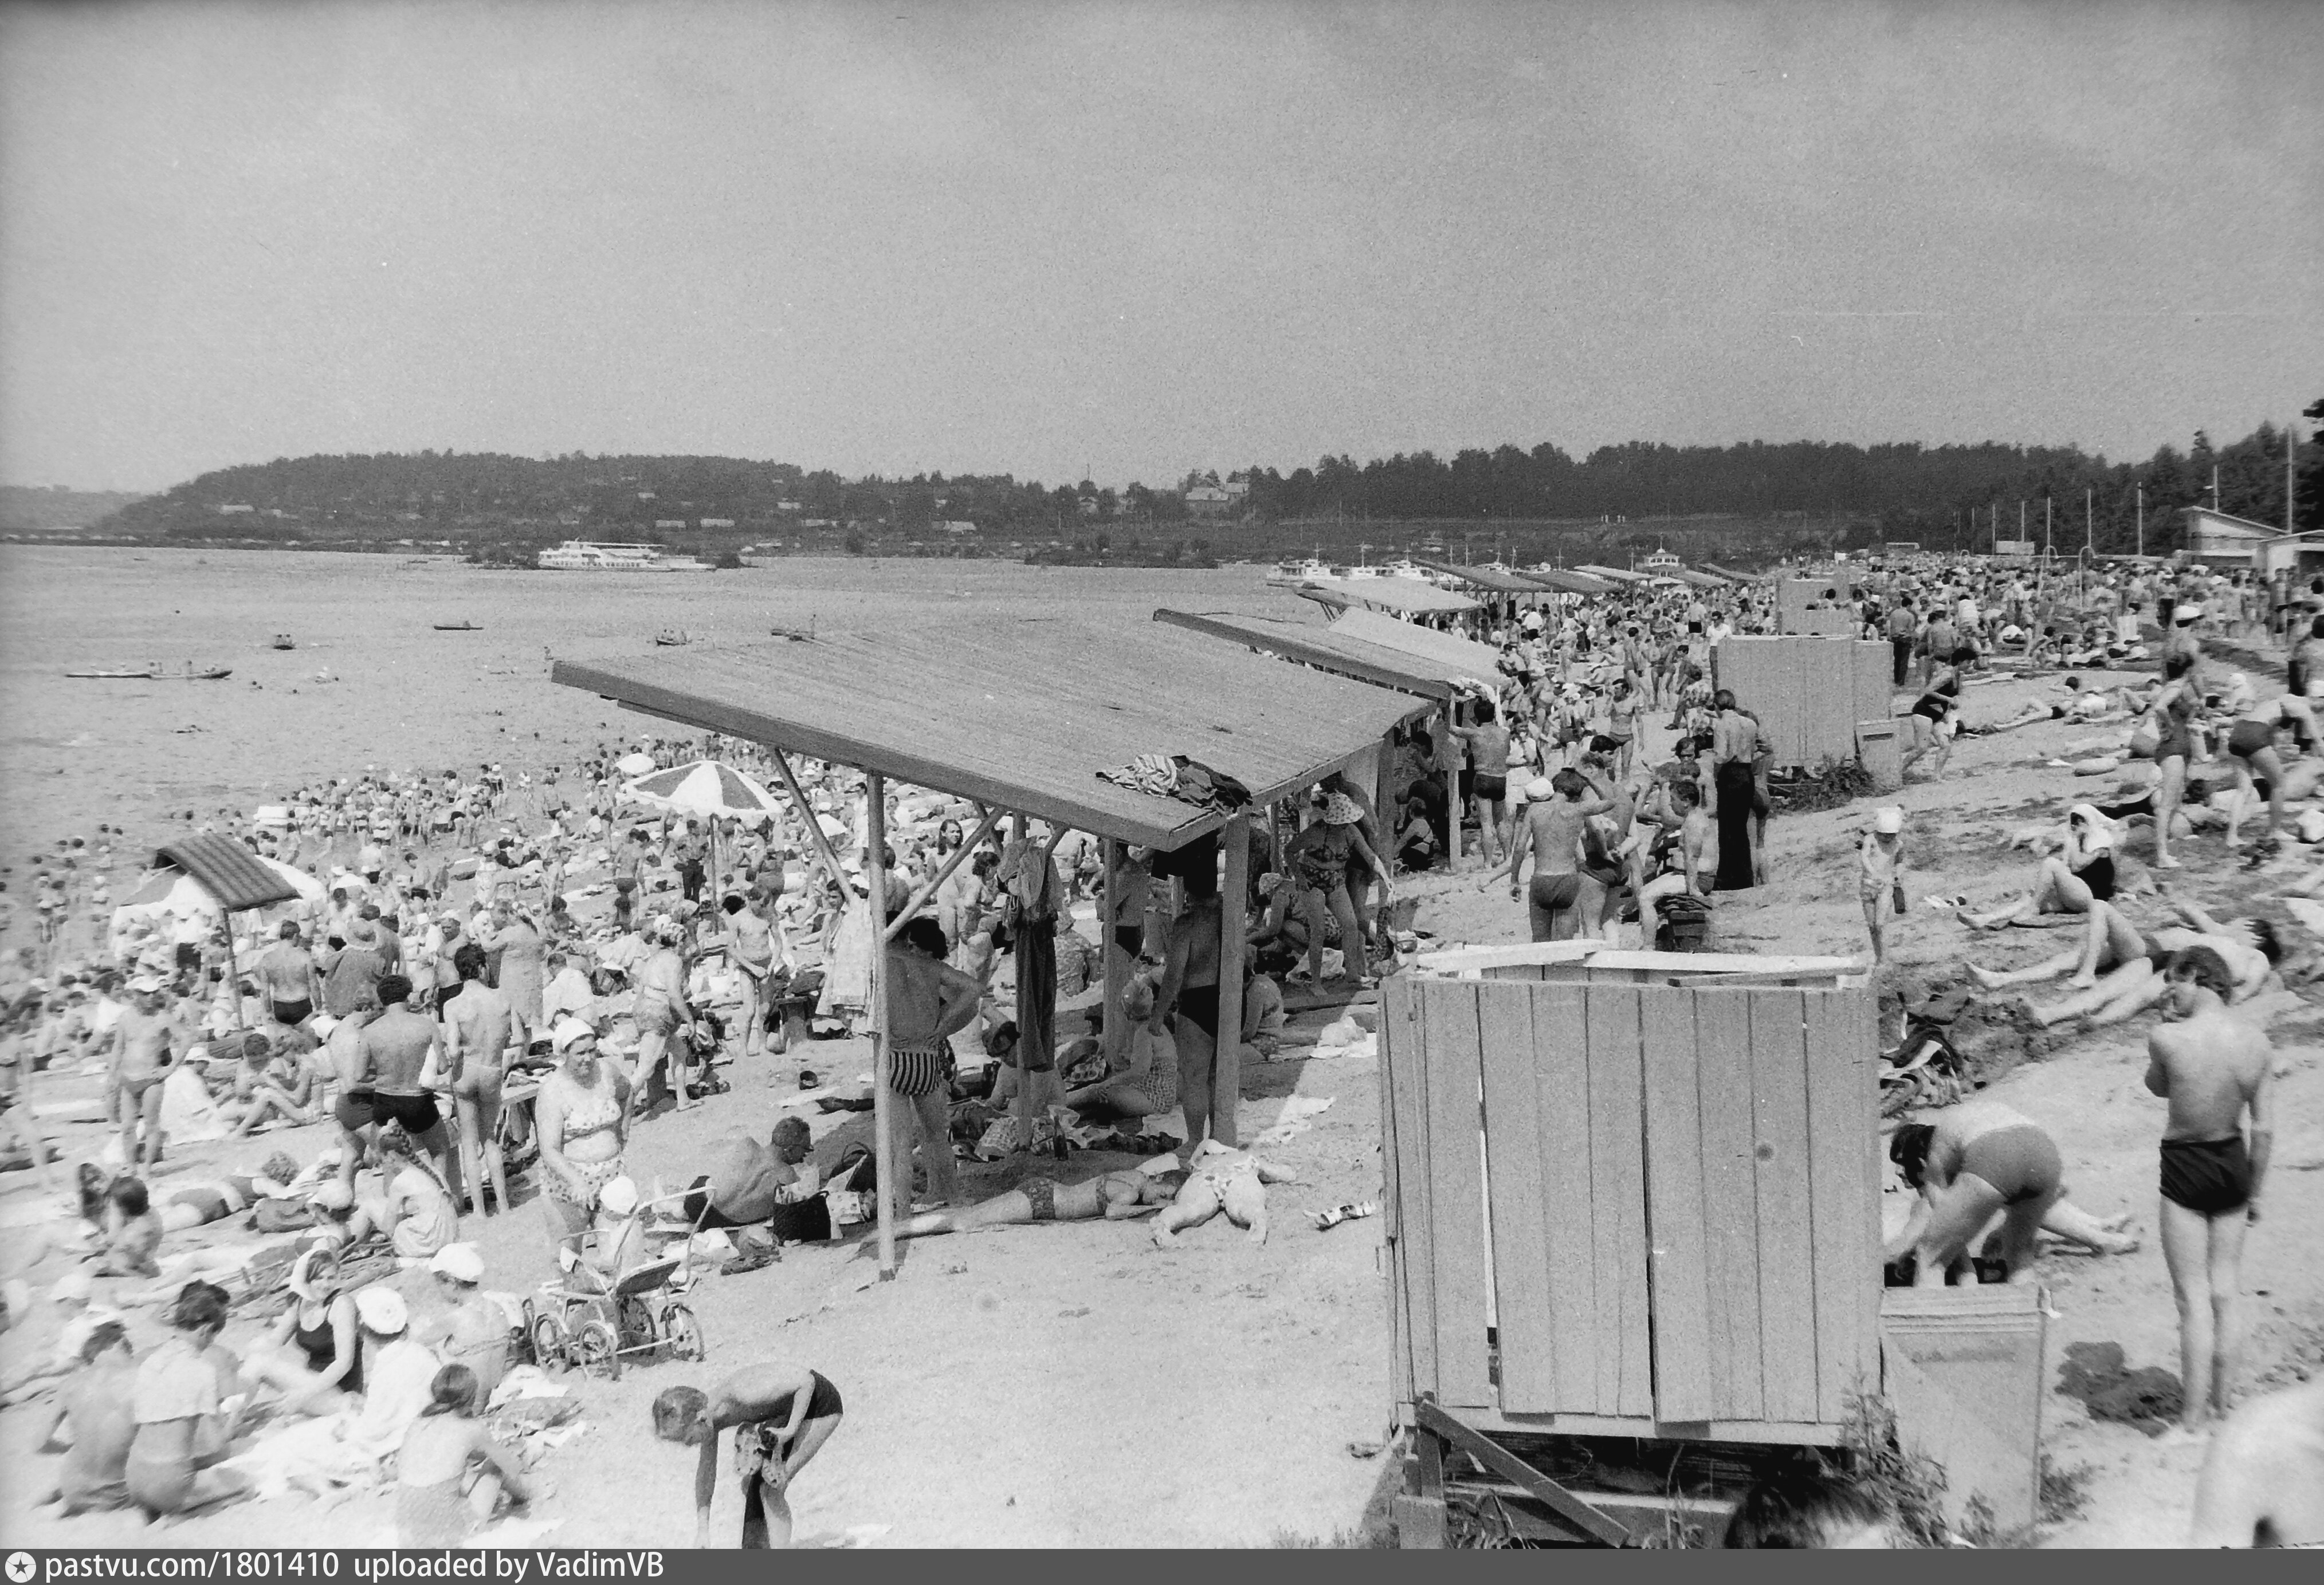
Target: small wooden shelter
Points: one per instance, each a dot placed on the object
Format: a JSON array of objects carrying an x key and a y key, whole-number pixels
[
  {"x": 1630, "y": 1194},
  {"x": 1816, "y": 698},
  {"x": 1017, "y": 715}
]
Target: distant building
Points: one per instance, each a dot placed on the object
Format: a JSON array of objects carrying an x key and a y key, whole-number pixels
[
  {"x": 788, "y": 506},
  {"x": 234, "y": 511},
  {"x": 718, "y": 522},
  {"x": 669, "y": 523},
  {"x": 1210, "y": 501},
  {"x": 1661, "y": 561},
  {"x": 956, "y": 526},
  {"x": 2222, "y": 539}
]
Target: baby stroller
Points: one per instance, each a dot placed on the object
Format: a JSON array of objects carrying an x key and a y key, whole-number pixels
[{"x": 575, "y": 1323}]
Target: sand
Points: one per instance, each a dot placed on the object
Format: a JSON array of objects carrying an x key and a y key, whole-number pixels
[{"x": 1058, "y": 1386}]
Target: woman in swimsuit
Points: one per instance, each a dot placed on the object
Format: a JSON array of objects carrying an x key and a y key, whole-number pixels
[
  {"x": 314, "y": 1354},
  {"x": 781, "y": 1415},
  {"x": 449, "y": 1473},
  {"x": 1190, "y": 987},
  {"x": 2173, "y": 710},
  {"x": 181, "y": 1429},
  {"x": 1980, "y": 1159},
  {"x": 582, "y": 1113},
  {"x": 2069, "y": 883}
]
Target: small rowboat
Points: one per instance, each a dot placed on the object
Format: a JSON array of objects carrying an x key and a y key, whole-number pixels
[
  {"x": 458, "y": 627},
  {"x": 670, "y": 636},
  {"x": 284, "y": 641}
]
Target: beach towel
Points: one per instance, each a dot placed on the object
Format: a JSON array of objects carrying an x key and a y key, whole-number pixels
[{"x": 1175, "y": 776}]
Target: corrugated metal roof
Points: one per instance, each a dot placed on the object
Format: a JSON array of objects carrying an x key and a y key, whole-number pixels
[
  {"x": 226, "y": 870},
  {"x": 1733, "y": 578},
  {"x": 1700, "y": 580},
  {"x": 1451, "y": 654},
  {"x": 1348, "y": 651},
  {"x": 1018, "y": 713},
  {"x": 1614, "y": 573},
  {"x": 1387, "y": 594}
]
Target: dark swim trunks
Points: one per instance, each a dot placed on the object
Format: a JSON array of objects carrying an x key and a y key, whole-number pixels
[
  {"x": 1042, "y": 1193},
  {"x": 294, "y": 1012},
  {"x": 2209, "y": 1177},
  {"x": 416, "y": 1113},
  {"x": 355, "y": 1109}
]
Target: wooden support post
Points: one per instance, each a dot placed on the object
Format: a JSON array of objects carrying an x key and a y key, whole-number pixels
[
  {"x": 1420, "y": 1516},
  {"x": 1234, "y": 891},
  {"x": 1117, "y": 972},
  {"x": 233, "y": 987},
  {"x": 1435, "y": 1423},
  {"x": 883, "y": 1106}
]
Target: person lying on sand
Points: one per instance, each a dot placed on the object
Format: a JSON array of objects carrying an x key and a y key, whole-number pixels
[
  {"x": 2250, "y": 948},
  {"x": 1222, "y": 1179},
  {"x": 781, "y": 1415},
  {"x": 1116, "y": 1197}
]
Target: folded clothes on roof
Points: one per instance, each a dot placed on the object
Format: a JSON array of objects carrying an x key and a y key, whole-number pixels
[{"x": 1175, "y": 776}]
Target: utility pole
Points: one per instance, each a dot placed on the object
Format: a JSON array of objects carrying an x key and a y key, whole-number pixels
[
  {"x": 2142, "y": 522},
  {"x": 2089, "y": 521},
  {"x": 2045, "y": 527},
  {"x": 2214, "y": 486},
  {"x": 2290, "y": 446}
]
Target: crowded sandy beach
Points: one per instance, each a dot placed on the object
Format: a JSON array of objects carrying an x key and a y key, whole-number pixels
[
  {"x": 1270, "y": 777},
  {"x": 2015, "y": 866}
]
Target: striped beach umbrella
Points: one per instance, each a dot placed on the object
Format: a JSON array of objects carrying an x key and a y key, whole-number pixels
[{"x": 706, "y": 787}]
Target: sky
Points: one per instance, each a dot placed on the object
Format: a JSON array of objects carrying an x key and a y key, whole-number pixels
[{"x": 1122, "y": 240}]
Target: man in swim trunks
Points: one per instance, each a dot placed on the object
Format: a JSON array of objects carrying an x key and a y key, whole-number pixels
[
  {"x": 293, "y": 984},
  {"x": 397, "y": 1046},
  {"x": 2213, "y": 1068},
  {"x": 781, "y": 1415},
  {"x": 927, "y": 1001},
  {"x": 143, "y": 1044}
]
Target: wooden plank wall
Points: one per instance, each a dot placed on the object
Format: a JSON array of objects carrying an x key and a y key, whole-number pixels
[
  {"x": 1455, "y": 1125},
  {"x": 1684, "y": 1193},
  {"x": 1807, "y": 692}
]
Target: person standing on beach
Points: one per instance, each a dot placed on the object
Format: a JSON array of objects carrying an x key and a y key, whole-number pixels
[
  {"x": 2214, "y": 1069},
  {"x": 402, "y": 1050},
  {"x": 294, "y": 988},
  {"x": 145, "y": 1042},
  {"x": 477, "y": 1026},
  {"x": 1881, "y": 881},
  {"x": 929, "y": 1001}
]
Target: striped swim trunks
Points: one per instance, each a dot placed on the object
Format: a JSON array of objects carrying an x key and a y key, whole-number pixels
[{"x": 917, "y": 1071}]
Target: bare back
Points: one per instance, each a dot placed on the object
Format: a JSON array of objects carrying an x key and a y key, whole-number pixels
[{"x": 2212, "y": 1067}]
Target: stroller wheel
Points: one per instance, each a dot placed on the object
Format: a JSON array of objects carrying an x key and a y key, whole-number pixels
[
  {"x": 596, "y": 1351},
  {"x": 548, "y": 1350},
  {"x": 679, "y": 1334}
]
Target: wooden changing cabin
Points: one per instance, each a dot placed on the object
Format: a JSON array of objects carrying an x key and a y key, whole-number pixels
[
  {"x": 1631, "y": 1194},
  {"x": 1816, "y": 698}
]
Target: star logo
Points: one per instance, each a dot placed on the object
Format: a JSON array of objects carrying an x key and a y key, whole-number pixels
[{"x": 20, "y": 1567}]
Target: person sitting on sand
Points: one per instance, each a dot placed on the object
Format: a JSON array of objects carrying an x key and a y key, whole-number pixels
[
  {"x": 99, "y": 1401},
  {"x": 2069, "y": 883},
  {"x": 473, "y": 1329},
  {"x": 1220, "y": 1178},
  {"x": 268, "y": 1085},
  {"x": 182, "y": 1431},
  {"x": 749, "y": 1184},
  {"x": 2263, "y": 1479},
  {"x": 133, "y": 1232},
  {"x": 313, "y": 1354},
  {"x": 1146, "y": 1081},
  {"x": 450, "y": 1475},
  {"x": 1980, "y": 1161},
  {"x": 1115, "y": 1197},
  {"x": 2214, "y": 1069},
  {"x": 781, "y": 1415},
  {"x": 414, "y": 1209}
]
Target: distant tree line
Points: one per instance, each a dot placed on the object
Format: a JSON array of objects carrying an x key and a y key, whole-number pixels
[{"x": 1941, "y": 495}]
